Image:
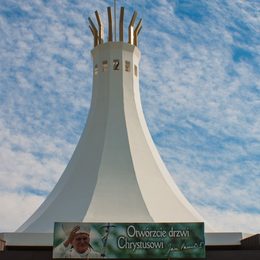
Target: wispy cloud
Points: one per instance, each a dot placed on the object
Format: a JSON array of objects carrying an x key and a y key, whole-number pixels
[{"x": 204, "y": 101}]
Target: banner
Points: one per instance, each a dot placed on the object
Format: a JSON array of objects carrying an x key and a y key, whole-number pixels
[{"x": 128, "y": 240}]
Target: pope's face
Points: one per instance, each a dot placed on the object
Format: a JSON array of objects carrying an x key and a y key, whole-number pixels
[{"x": 81, "y": 242}]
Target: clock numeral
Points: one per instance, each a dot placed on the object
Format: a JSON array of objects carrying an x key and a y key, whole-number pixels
[{"x": 115, "y": 64}]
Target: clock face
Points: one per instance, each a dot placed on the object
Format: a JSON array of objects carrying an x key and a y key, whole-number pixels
[
  {"x": 105, "y": 65},
  {"x": 96, "y": 69},
  {"x": 116, "y": 64},
  {"x": 136, "y": 71},
  {"x": 127, "y": 66}
]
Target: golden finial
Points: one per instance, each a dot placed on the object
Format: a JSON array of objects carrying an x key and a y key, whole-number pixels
[{"x": 98, "y": 34}]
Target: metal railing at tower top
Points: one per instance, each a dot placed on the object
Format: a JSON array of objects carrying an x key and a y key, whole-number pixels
[{"x": 98, "y": 33}]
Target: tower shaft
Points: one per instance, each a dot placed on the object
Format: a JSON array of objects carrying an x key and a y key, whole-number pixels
[{"x": 116, "y": 173}]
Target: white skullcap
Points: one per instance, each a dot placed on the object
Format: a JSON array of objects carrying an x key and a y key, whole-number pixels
[{"x": 84, "y": 228}]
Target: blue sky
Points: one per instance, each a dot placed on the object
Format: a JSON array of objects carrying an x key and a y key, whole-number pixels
[{"x": 200, "y": 90}]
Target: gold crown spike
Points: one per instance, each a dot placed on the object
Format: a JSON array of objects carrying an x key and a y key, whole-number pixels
[
  {"x": 131, "y": 29},
  {"x": 100, "y": 28},
  {"x": 98, "y": 34},
  {"x": 94, "y": 31},
  {"x": 137, "y": 31},
  {"x": 110, "y": 28},
  {"x": 121, "y": 25}
]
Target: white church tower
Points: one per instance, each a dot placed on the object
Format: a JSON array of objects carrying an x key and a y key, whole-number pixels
[{"x": 116, "y": 173}]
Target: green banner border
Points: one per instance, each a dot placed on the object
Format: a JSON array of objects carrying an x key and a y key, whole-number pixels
[{"x": 135, "y": 240}]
